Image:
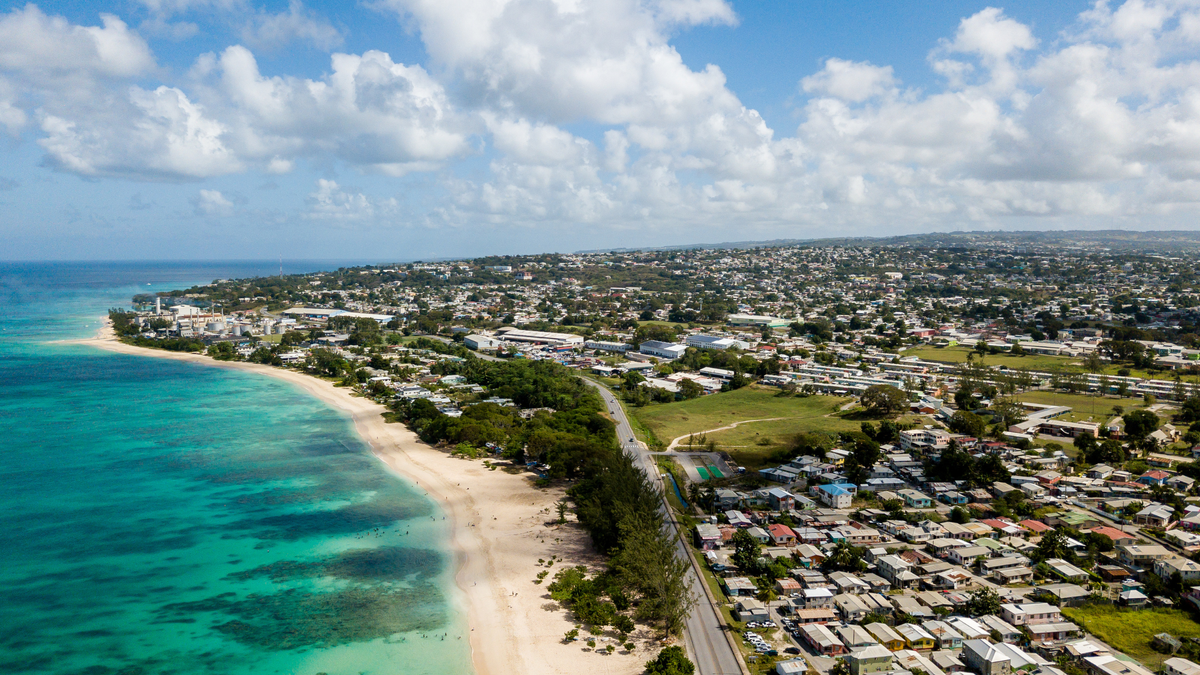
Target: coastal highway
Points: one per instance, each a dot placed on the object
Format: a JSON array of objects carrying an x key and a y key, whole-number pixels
[{"x": 707, "y": 642}]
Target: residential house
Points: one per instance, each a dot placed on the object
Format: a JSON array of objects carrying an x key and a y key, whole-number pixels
[
  {"x": 917, "y": 637},
  {"x": 947, "y": 637},
  {"x": 897, "y": 571},
  {"x": 1155, "y": 515},
  {"x": 985, "y": 659},
  {"x": 868, "y": 660},
  {"x": 708, "y": 537},
  {"x": 1141, "y": 556},
  {"x": 1028, "y": 614},
  {"x": 888, "y": 637},
  {"x": 750, "y": 609},
  {"x": 914, "y": 499},
  {"x": 1169, "y": 566},
  {"x": 855, "y": 637},
  {"x": 781, "y": 535},
  {"x": 822, "y": 640}
]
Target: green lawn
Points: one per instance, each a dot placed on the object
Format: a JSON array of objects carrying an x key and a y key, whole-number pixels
[
  {"x": 1040, "y": 362},
  {"x": 1130, "y": 631},
  {"x": 670, "y": 420},
  {"x": 958, "y": 354},
  {"x": 752, "y": 443},
  {"x": 1082, "y": 404}
]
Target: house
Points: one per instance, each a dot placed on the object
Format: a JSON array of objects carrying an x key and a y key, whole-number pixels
[
  {"x": 736, "y": 587},
  {"x": 1013, "y": 575},
  {"x": 816, "y": 597},
  {"x": 1107, "y": 664},
  {"x": 1052, "y": 632},
  {"x": 1029, "y": 614},
  {"x": 913, "y": 661},
  {"x": 781, "y": 500},
  {"x": 1007, "y": 631},
  {"x": 872, "y": 659},
  {"x": 1141, "y": 556},
  {"x": 915, "y": 500},
  {"x": 708, "y": 537},
  {"x": 917, "y": 637},
  {"x": 1118, "y": 537},
  {"x": 985, "y": 659},
  {"x": 1155, "y": 515},
  {"x": 1178, "y": 666},
  {"x": 792, "y": 667},
  {"x": 897, "y": 571},
  {"x": 1181, "y": 483},
  {"x": 850, "y": 607},
  {"x": 948, "y": 662},
  {"x": 781, "y": 535},
  {"x": 1065, "y": 595},
  {"x": 834, "y": 495},
  {"x": 947, "y": 637},
  {"x": 787, "y": 586},
  {"x": 970, "y": 629},
  {"x": 750, "y": 609},
  {"x": 888, "y": 637},
  {"x": 822, "y": 640},
  {"x": 1188, "y": 570},
  {"x": 855, "y": 637},
  {"x": 1154, "y": 477},
  {"x": 1066, "y": 570},
  {"x": 821, "y": 616},
  {"x": 760, "y": 535},
  {"x": 966, "y": 555}
]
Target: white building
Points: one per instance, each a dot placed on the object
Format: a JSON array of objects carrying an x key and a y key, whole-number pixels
[{"x": 662, "y": 350}]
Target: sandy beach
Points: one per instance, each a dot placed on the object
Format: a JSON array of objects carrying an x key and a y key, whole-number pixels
[{"x": 501, "y": 525}]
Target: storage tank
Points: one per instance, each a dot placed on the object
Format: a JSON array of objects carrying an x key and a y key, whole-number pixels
[{"x": 237, "y": 330}]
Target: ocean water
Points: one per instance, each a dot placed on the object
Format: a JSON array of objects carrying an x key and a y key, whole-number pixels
[{"x": 163, "y": 517}]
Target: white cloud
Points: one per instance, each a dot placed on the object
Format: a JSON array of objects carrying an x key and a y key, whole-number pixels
[
  {"x": 850, "y": 81},
  {"x": 39, "y": 45},
  {"x": 331, "y": 202},
  {"x": 297, "y": 24},
  {"x": 992, "y": 35},
  {"x": 212, "y": 203},
  {"x": 152, "y": 134},
  {"x": 369, "y": 112}
]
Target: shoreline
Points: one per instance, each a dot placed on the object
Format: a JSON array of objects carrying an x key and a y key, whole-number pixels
[{"x": 495, "y": 560}]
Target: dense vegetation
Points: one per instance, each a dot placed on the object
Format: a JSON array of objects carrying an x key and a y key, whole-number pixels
[{"x": 614, "y": 500}]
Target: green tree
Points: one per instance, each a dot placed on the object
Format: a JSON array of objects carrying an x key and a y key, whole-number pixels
[
  {"x": 884, "y": 400},
  {"x": 845, "y": 557},
  {"x": 1053, "y": 545},
  {"x": 1140, "y": 423},
  {"x": 670, "y": 661},
  {"x": 983, "y": 601},
  {"x": 746, "y": 552},
  {"x": 968, "y": 423},
  {"x": 689, "y": 389}
]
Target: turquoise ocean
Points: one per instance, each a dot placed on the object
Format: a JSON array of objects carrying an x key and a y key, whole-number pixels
[{"x": 163, "y": 517}]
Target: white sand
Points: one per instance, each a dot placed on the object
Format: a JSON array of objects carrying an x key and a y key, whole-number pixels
[{"x": 499, "y": 531}]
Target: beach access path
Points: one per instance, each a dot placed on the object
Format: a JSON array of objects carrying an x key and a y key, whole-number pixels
[{"x": 500, "y": 525}]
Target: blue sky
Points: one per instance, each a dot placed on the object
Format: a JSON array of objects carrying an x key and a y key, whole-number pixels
[{"x": 430, "y": 128}]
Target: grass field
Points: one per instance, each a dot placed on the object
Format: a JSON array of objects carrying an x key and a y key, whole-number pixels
[
  {"x": 1081, "y": 404},
  {"x": 1039, "y": 362},
  {"x": 959, "y": 354},
  {"x": 670, "y": 420},
  {"x": 749, "y": 444},
  {"x": 1130, "y": 631}
]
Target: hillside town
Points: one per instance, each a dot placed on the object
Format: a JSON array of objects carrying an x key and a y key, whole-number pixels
[{"x": 888, "y": 459}]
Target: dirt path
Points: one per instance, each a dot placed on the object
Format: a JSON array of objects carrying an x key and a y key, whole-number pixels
[{"x": 675, "y": 443}]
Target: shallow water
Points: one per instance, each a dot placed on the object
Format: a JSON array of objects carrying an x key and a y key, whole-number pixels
[{"x": 165, "y": 517}]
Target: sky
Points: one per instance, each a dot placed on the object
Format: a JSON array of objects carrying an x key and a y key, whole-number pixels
[{"x": 417, "y": 129}]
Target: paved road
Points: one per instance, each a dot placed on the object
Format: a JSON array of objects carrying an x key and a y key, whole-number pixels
[{"x": 705, "y": 635}]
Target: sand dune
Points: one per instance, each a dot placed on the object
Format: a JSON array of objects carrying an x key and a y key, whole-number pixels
[{"x": 500, "y": 528}]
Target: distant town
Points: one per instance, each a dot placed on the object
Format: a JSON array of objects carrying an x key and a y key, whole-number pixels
[{"x": 925, "y": 457}]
